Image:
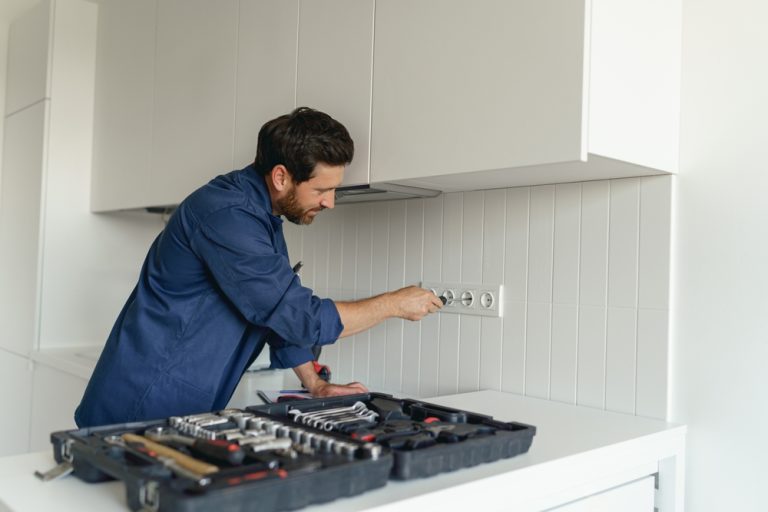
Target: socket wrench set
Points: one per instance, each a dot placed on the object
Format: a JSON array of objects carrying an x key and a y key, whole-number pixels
[
  {"x": 425, "y": 439},
  {"x": 283, "y": 456}
]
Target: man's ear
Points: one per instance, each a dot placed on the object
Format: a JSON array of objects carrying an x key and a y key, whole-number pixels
[{"x": 281, "y": 178}]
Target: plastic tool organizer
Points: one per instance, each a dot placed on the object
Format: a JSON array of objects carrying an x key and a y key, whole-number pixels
[
  {"x": 287, "y": 455},
  {"x": 425, "y": 439}
]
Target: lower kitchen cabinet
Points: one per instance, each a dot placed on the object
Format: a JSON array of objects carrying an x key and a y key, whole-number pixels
[
  {"x": 635, "y": 496},
  {"x": 55, "y": 395},
  {"x": 15, "y": 383}
]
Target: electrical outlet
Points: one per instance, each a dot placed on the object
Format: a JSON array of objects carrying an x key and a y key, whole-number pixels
[{"x": 469, "y": 299}]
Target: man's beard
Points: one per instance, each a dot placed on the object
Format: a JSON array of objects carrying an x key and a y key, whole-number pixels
[{"x": 290, "y": 208}]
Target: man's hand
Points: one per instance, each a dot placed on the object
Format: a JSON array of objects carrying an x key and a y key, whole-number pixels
[
  {"x": 414, "y": 303},
  {"x": 325, "y": 389},
  {"x": 317, "y": 387}
]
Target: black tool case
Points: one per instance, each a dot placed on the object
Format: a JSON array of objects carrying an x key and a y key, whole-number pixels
[
  {"x": 491, "y": 440},
  {"x": 325, "y": 452},
  {"x": 293, "y": 483}
]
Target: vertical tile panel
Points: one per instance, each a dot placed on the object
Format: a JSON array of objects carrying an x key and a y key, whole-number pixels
[
  {"x": 565, "y": 325},
  {"x": 620, "y": 360},
  {"x": 380, "y": 242},
  {"x": 430, "y": 326},
  {"x": 448, "y": 370},
  {"x": 565, "y": 270},
  {"x": 652, "y": 359},
  {"x": 494, "y": 221},
  {"x": 593, "y": 287},
  {"x": 321, "y": 229},
  {"x": 471, "y": 272},
  {"x": 363, "y": 289},
  {"x": 348, "y": 226},
  {"x": 623, "y": 236},
  {"x": 335, "y": 242},
  {"x": 541, "y": 244},
  {"x": 349, "y": 262},
  {"x": 655, "y": 214},
  {"x": 590, "y": 385},
  {"x": 395, "y": 279},
  {"x": 593, "y": 276},
  {"x": 414, "y": 256},
  {"x": 515, "y": 290},
  {"x": 537, "y": 340},
  {"x": 335, "y": 235},
  {"x": 538, "y": 334},
  {"x": 565, "y": 292}
]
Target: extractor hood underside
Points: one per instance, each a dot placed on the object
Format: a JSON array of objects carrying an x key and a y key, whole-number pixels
[{"x": 381, "y": 192}]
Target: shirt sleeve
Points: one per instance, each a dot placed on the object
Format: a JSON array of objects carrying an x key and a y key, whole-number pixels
[
  {"x": 236, "y": 246},
  {"x": 289, "y": 356}
]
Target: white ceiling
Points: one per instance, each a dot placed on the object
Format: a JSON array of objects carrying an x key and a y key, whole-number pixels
[{"x": 10, "y": 9}]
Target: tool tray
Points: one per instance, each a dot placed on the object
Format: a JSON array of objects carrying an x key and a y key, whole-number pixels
[
  {"x": 296, "y": 480},
  {"x": 441, "y": 439},
  {"x": 290, "y": 454}
]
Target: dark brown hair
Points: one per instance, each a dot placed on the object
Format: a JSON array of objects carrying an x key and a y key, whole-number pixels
[{"x": 300, "y": 140}]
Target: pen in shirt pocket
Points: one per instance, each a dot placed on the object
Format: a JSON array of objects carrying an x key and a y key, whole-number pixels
[{"x": 297, "y": 267}]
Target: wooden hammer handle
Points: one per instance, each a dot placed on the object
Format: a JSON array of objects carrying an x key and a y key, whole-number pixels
[{"x": 185, "y": 461}]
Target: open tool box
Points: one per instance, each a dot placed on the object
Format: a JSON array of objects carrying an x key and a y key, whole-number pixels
[
  {"x": 227, "y": 461},
  {"x": 286, "y": 455},
  {"x": 425, "y": 439}
]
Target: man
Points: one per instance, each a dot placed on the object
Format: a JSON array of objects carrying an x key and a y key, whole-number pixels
[{"x": 217, "y": 285}]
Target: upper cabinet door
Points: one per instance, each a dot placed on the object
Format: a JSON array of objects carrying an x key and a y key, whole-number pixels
[
  {"x": 498, "y": 93},
  {"x": 124, "y": 100},
  {"x": 266, "y": 69},
  {"x": 334, "y": 70},
  {"x": 27, "y": 70},
  {"x": 194, "y": 107},
  {"x": 466, "y": 86}
]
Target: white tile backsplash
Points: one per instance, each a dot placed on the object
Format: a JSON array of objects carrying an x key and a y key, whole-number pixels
[{"x": 577, "y": 260}]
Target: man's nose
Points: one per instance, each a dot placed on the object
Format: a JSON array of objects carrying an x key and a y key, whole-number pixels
[{"x": 328, "y": 200}]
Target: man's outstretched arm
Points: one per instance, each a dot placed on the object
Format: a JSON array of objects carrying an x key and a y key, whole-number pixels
[{"x": 410, "y": 303}]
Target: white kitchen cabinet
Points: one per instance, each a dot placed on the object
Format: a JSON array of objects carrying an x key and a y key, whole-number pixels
[
  {"x": 20, "y": 207},
  {"x": 266, "y": 70},
  {"x": 637, "y": 496},
  {"x": 124, "y": 100},
  {"x": 27, "y": 71},
  {"x": 182, "y": 89},
  {"x": 334, "y": 70},
  {"x": 194, "y": 107},
  {"x": 55, "y": 395},
  {"x": 15, "y": 385},
  {"x": 499, "y": 93}
]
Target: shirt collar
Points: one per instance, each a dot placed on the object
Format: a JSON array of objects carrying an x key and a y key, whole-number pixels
[{"x": 259, "y": 185}]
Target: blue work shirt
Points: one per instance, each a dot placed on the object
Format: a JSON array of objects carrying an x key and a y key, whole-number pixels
[{"x": 215, "y": 286}]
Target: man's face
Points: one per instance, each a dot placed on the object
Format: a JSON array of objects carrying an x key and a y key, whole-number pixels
[{"x": 302, "y": 202}]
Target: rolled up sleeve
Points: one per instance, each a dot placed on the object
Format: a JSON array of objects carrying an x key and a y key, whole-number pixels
[{"x": 237, "y": 247}]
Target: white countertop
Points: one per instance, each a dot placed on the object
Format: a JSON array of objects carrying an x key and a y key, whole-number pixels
[{"x": 577, "y": 451}]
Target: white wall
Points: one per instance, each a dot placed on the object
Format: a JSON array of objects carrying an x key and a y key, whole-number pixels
[
  {"x": 719, "y": 372},
  {"x": 585, "y": 269},
  {"x": 65, "y": 272}
]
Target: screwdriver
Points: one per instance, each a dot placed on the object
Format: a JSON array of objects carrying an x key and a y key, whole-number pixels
[{"x": 217, "y": 449}]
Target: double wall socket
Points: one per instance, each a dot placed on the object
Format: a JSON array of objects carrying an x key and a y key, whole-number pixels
[{"x": 469, "y": 299}]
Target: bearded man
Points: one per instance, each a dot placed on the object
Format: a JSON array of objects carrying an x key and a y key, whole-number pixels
[{"x": 217, "y": 286}]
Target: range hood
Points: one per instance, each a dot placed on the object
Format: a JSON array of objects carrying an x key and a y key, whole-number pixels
[{"x": 380, "y": 192}]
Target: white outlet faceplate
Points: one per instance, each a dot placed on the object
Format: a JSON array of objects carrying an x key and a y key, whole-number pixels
[{"x": 469, "y": 299}]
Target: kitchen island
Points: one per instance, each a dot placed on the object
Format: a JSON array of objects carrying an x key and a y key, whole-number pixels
[{"x": 581, "y": 459}]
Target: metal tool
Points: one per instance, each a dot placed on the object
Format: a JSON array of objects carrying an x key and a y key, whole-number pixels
[
  {"x": 218, "y": 449},
  {"x": 185, "y": 461}
]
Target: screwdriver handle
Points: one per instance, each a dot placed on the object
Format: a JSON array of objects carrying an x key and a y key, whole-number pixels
[
  {"x": 219, "y": 449},
  {"x": 182, "y": 460}
]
